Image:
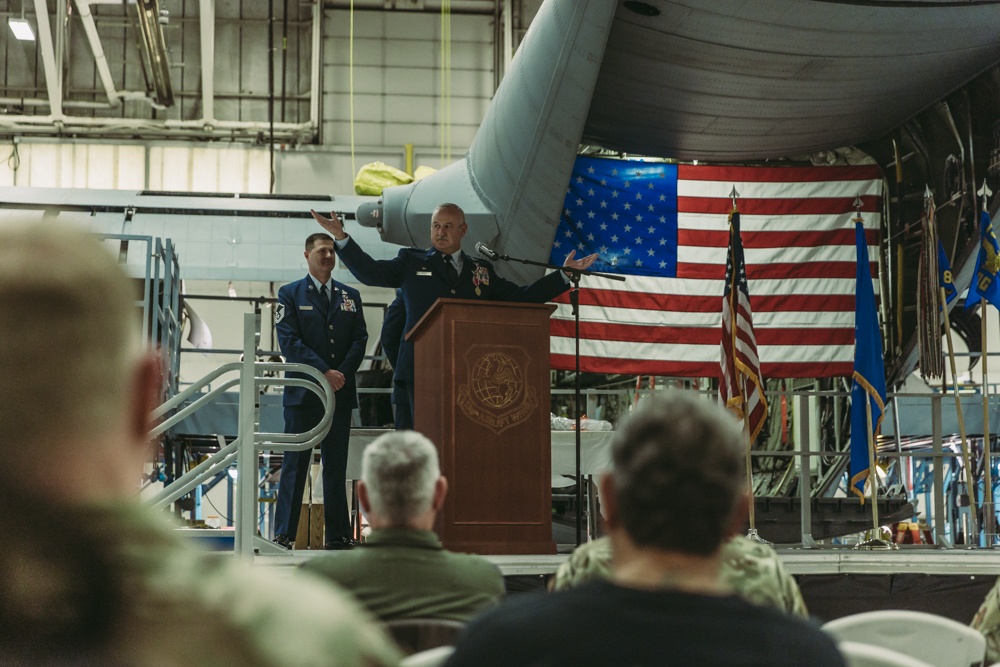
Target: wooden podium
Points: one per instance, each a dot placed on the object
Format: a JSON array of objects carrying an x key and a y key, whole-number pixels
[{"x": 482, "y": 396}]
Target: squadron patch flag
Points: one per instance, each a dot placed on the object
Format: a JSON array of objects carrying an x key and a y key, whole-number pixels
[
  {"x": 664, "y": 227},
  {"x": 984, "y": 281},
  {"x": 946, "y": 279},
  {"x": 868, "y": 384}
]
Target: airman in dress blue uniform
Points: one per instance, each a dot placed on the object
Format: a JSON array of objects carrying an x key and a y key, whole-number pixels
[
  {"x": 441, "y": 271},
  {"x": 320, "y": 322},
  {"x": 393, "y": 328}
]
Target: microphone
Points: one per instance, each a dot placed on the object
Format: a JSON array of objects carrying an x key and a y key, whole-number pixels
[{"x": 486, "y": 252}]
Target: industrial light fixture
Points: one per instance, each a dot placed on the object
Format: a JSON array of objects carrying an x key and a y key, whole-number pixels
[
  {"x": 21, "y": 29},
  {"x": 641, "y": 8}
]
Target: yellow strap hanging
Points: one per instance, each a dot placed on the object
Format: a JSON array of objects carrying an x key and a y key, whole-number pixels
[
  {"x": 445, "y": 115},
  {"x": 350, "y": 94}
]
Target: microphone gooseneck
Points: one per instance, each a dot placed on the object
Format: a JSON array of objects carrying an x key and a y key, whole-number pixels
[{"x": 487, "y": 252}]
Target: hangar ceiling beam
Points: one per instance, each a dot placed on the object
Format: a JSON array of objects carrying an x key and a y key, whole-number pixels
[
  {"x": 49, "y": 59},
  {"x": 100, "y": 60},
  {"x": 207, "y": 26},
  {"x": 477, "y": 7}
]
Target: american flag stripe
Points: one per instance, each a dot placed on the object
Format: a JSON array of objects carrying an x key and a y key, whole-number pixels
[
  {"x": 774, "y": 270},
  {"x": 698, "y": 335},
  {"x": 805, "y": 302},
  {"x": 763, "y": 256},
  {"x": 768, "y": 239},
  {"x": 838, "y": 180},
  {"x": 800, "y": 264},
  {"x": 694, "y": 356},
  {"x": 679, "y": 368}
]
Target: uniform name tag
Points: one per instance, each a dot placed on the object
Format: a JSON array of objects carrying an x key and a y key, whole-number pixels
[
  {"x": 305, "y": 307},
  {"x": 424, "y": 273}
]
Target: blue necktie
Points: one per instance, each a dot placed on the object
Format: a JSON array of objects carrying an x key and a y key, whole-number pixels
[{"x": 449, "y": 269}]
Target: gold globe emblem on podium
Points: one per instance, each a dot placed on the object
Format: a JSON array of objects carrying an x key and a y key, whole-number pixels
[
  {"x": 496, "y": 380},
  {"x": 496, "y": 395}
]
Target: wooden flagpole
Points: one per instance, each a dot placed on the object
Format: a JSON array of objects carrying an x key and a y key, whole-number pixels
[
  {"x": 872, "y": 475},
  {"x": 989, "y": 518},
  {"x": 752, "y": 533},
  {"x": 987, "y": 474},
  {"x": 966, "y": 458},
  {"x": 875, "y": 542}
]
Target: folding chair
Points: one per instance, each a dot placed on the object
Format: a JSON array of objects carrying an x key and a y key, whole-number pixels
[
  {"x": 934, "y": 639},
  {"x": 434, "y": 657},
  {"x": 868, "y": 655}
]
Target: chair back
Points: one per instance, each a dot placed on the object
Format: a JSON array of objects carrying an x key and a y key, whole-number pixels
[
  {"x": 934, "y": 639},
  {"x": 413, "y": 635},
  {"x": 857, "y": 654},
  {"x": 434, "y": 657}
]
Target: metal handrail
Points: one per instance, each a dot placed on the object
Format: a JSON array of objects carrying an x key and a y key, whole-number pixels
[
  {"x": 184, "y": 412},
  {"x": 244, "y": 446},
  {"x": 183, "y": 485},
  {"x": 193, "y": 388}
]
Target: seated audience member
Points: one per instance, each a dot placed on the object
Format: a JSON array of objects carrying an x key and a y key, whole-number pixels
[
  {"x": 676, "y": 492},
  {"x": 750, "y": 569},
  {"x": 987, "y": 621},
  {"x": 88, "y": 575},
  {"x": 402, "y": 571}
]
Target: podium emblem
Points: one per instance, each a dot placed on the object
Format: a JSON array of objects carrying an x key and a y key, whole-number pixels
[{"x": 496, "y": 395}]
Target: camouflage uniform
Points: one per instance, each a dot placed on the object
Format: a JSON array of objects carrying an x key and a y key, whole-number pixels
[
  {"x": 987, "y": 621},
  {"x": 750, "y": 568},
  {"x": 178, "y": 606}
]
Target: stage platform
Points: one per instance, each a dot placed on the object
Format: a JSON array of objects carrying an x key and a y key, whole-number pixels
[
  {"x": 824, "y": 560},
  {"x": 835, "y": 581}
]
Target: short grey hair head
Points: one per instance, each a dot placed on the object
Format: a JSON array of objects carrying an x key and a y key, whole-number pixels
[
  {"x": 69, "y": 337},
  {"x": 679, "y": 474},
  {"x": 400, "y": 470},
  {"x": 449, "y": 206}
]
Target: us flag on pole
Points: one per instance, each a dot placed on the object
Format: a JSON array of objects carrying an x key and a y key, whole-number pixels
[
  {"x": 740, "y": 382},
  {"x": 663, "y": 227}
]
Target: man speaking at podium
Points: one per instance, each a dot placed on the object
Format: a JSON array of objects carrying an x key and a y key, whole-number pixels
[{"x": 441, "y": 271}]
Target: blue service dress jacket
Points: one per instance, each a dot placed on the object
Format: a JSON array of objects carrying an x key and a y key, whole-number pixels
[
  {"x": 420, "y": 275},
  {"x": 325, "y": 337}
]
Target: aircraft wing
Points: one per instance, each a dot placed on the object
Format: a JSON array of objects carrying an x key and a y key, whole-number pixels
[{"x": 735, "y": 81}]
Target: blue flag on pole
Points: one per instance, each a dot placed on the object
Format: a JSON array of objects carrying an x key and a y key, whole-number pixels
[
  {"x": 945, "y": 279},
  {"x": 869, "y": 369},
  {"x": 985, "y": 284}
]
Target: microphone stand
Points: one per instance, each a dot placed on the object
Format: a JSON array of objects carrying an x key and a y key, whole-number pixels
[{"x": 574, "y": 300}]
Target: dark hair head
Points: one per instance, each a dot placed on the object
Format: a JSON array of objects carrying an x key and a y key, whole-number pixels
[
  {"x": 312, "y": 238},
  {"x": 679, "y": 473}
]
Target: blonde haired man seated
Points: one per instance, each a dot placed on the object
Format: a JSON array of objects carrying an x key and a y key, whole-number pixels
[{"x": 88, "y": 576}]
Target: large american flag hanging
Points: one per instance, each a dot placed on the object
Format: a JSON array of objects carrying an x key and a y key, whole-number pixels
[
  {"x": 664, "y": 227},
  {"x": 740, "y": 383}
]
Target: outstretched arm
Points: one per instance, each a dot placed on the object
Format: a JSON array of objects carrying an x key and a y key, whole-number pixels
[
  {"x": 333, "y": 224},
  {"x": 581, "y": 264}
]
